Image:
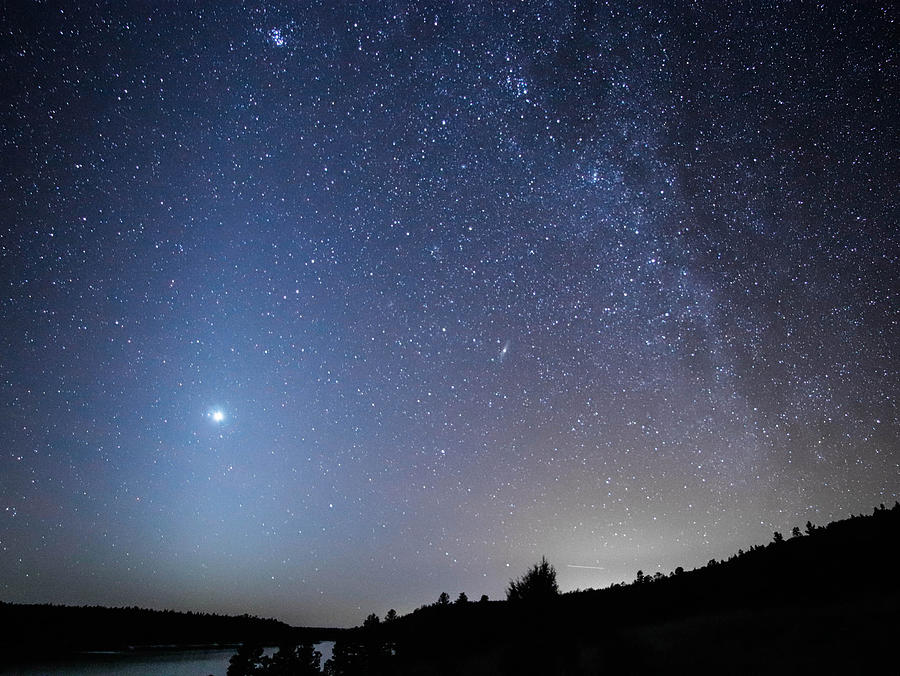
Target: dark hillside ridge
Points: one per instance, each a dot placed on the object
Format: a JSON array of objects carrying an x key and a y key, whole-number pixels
[
  {"x": 826, "y": 599},
  {"x": 49, "y": 630}
]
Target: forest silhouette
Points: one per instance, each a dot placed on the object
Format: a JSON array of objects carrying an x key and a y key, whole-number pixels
[{"x": 824, "y": 599}]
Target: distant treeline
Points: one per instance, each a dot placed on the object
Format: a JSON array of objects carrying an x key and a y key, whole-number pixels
[{"x": 47, "y": 630}]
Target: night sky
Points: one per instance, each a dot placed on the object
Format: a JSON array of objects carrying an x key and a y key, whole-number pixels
[{"x": 310, "y": 310}]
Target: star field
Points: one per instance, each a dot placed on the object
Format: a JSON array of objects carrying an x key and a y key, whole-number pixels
[{"x": 310, "y": 311}]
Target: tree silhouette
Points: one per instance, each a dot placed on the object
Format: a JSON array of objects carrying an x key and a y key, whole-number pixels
[
  {"x": 483, "y": 599},
  {"x": 365, "y": 653},
  {"x": 309, "y": 660},
  {"x": 247, "y": 661},
  {"x": 391, "y": 615},
  {"x": 777, "y": 537},
  {"x": 795, "y": 533},
  {"x": 443, "y": 599},
  {"x": 462, "y": 598},
  {"x": 301, "y": 660},
  {"x": 288, "y": 660},
  {"x": 346, "y": 659},
  {"x": 376, "y": 653},
  {"x": 537, "y": 585}
]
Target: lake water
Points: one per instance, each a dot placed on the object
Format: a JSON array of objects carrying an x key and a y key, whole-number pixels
[{"x": 144, "y": 663}]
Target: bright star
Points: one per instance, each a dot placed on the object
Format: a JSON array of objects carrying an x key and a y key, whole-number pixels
[{"x": 217, "y": 416}]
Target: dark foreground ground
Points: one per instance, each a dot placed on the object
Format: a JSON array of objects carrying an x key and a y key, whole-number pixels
[
  {"x": 852, "y": 637},
  {"x": 824, "y": 601}
]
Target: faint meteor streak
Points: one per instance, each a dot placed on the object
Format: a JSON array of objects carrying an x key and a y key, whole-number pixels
[{"x": 572, "y": 565}]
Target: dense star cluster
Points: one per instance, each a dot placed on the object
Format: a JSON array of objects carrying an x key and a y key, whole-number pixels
[{"x": 310, "y": 310}]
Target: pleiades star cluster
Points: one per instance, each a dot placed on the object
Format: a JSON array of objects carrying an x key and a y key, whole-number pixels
[{"x": 314, "y": 309}]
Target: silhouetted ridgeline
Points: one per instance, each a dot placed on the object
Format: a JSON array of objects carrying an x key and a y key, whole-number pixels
[
  {"x": 49, "y": 629},
  {"x": 823, "y": 600}
]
